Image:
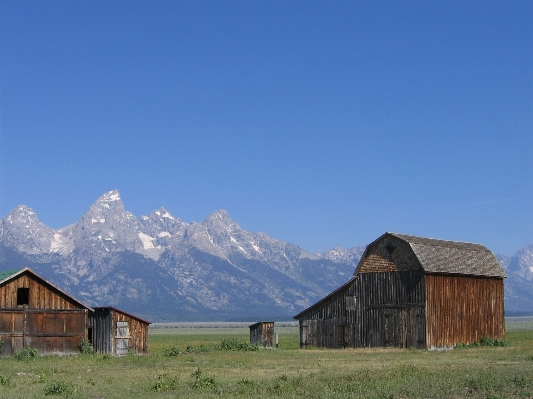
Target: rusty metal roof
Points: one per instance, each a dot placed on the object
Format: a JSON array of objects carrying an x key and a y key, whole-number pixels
[{"x": 441, "y": 256}]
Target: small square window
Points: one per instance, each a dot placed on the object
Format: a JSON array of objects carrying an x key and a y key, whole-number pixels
[{"x": 23, "y": 296}]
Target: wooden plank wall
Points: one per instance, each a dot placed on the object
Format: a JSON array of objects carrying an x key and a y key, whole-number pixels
[
  {"x": 391, "y": 308},
  {"x": 375, "y": 309},
  {"x": 41, "y": 295},
  {"x": 102, "y": 330},
  {"x": 463, "y": 309},
  {"x": 138, "y": 332},
  {"x": 50, "y": 331}
]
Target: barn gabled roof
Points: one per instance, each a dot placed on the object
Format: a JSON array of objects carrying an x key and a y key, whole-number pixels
[
  {"x": 453, "y": 257},
  {"x": 8, "y": 275}
]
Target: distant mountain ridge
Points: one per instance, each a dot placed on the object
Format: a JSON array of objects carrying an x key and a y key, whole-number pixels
[{"x": 165, "y": 269}]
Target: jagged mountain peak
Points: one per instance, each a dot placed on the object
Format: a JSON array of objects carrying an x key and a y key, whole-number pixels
[
  {"x": 220, "y": 215},
  {"x": 22, "y": 230},
  {"x": 21, "y": 213},
  {"x": 110, "y": 196}
]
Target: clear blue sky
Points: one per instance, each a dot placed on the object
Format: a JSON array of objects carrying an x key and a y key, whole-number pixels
[{"x": 321, "y": 123}]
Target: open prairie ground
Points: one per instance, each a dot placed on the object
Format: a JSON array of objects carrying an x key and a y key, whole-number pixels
[{"x": 207, "y": 371}]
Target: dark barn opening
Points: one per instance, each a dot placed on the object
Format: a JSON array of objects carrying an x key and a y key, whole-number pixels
[{"x": 23, "y": 296}]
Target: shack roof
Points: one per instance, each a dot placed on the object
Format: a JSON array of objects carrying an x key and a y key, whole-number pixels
[
  {"x": 8, "y": 275},
  {"x": 112, "y": 308},
  {"x": 452, "y": 257},
  {"x": 259, "y": 323}
]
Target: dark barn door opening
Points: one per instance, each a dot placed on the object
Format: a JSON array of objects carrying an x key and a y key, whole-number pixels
[{"x": 397, "y": 327}]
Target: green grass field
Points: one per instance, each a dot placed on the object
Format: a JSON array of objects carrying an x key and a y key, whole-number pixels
[{"x": 287, "y": 372}]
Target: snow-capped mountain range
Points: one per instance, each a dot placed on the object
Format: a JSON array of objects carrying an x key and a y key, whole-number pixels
[{"x": 165, "y": 269}]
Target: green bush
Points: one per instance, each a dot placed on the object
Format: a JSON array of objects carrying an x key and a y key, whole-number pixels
[
  {"x": 485, "y": 341},
  {"x": 173, "y": 351},
  {"x": 489, "y": 341},
  {"x": 26, "y": 354},
  {"x": 200, "y": 381},
  {"x": 86, "y": 347},
  {"x": 58, "y": 388},
  {"x": 1, "y": 345},
  {"x": 164, "y": 383},
  {"x": 234, "y": 344},
  {"x": 4, "y": 380}
]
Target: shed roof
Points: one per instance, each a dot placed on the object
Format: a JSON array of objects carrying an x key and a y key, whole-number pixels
[
  {"x": 259, "y": 323},
  {"x": 112, "y": 308},
  {"x": 8, "y": 275},
  {"x": 454, "y": 257}
]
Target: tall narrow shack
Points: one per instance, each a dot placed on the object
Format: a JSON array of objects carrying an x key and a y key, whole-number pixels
[{"x": 262, "y": 333}]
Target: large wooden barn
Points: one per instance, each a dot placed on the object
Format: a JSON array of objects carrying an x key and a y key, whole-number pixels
[
  {"x": 411, "y": 291},
  {"x": 34, "y": 313}
]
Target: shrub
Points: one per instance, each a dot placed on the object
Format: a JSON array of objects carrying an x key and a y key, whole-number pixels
[
  {"x": 164, "y": 383},
  {"x": 200, "y": 381},
  {"x": 1, "y": 345},
  {"x": 485, "y": 341},
  {"x": 26, "y": 354},
  {"x": 234, "y": 344},
  {"x": 530, "y": 358},
  {"x": 489, "y": 341},
  {"x": 86, "y": 347},
  {"x": 58, "y": 388},
  {"x": 173, "y": 351},
  {"x": 4, "y": 380}
]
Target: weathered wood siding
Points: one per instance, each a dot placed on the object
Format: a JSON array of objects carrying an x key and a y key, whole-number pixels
[
  {"x": 373, "y": 309},
  {"x": 50, "y": 331},
  {"x": 262, "y": 333},
  {"x": 463, "y": 309},
  {"x": 41, "y": 295},
  {"x": 399, "y": 256},
  {"x": 49, "y": 321},
  {"x": 101, "y": 330},
  {"x": 105, "y": 332}
]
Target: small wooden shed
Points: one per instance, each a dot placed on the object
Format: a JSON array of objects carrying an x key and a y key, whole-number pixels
[
  {"x": 410, "y": 291},
  {"x": 262, "y": 333},
  {"x": 36, "y": 314},
  {"x": 116, "y": 332}
]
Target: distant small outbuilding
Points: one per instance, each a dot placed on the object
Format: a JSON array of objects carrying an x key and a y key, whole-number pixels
[
  {"x": 262, "y": 333},
  {"x": 115, "y": 332}
]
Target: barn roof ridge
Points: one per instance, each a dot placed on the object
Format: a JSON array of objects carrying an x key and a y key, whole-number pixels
[
  {"x": 449, "y": 257},
  {"x": 438, "y": 242}
]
